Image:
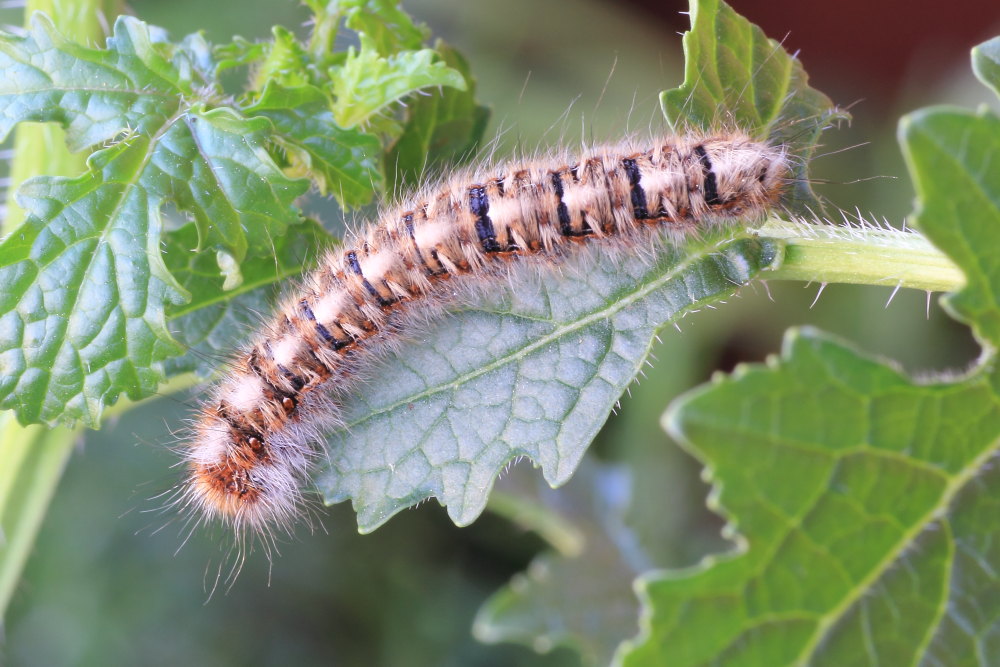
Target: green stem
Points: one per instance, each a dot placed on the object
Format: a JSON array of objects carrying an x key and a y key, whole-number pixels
[
  {"x": 861, "y": 254},
  {"x": 559, "y": 532},
  {"x": 32, "y": 458}
]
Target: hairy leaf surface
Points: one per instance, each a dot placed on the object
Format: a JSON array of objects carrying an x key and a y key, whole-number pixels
[{"x": 535, "y": 373}]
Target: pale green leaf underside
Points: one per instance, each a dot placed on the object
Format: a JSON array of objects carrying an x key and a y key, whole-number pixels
[
  {"x": 864, "y": 499},
  {"x": 534, "y": 375}
]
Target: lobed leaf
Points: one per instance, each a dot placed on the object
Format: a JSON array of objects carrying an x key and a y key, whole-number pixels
[
  {"x": 535, "y": 374},
  {"x": 441, "y": 128},
  {"x": 864, "y": 500},
  {"x": 846, "y": 481},
  {"x": 367, "y": 82},
  {"x": 83, "y": 285},
  {"x": 735, "y": 76}
]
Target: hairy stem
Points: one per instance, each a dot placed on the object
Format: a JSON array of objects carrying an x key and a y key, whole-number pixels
[{"x": 861, "y": 254}]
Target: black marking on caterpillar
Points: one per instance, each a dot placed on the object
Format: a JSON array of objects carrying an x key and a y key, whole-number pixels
[{"x": 252, "y": 444}]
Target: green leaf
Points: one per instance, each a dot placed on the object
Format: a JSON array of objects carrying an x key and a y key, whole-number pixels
[
  {"x": 986, "y": 63},
  {"x": 535, "y": 374},
  {"x": 954, "y": 161},
  {"x": 580, "y": 596},
  {"x": 214, "y": 322},
  {"x": 82, "y": 282},
  {"x": 389, "y": 28},
  {"x": 865, "y": 501},
  {"x": 345, "y": 163},
  {"x": 368, "y": 82},
  {"x": 239, "y": 52},
  {"x": 95, "y": 94},
  {"x": 221, "y": 172},
  {"x": 442, "y": 127},
  {"x": 850, "y": 486},
  {"x": 82, "y": 309},
  {"x": 81, "y": 295},
  {"x": 284, "y": 62},
  {"x": 734, "y": 75}
]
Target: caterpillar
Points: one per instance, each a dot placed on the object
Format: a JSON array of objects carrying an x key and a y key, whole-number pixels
[{"x": 253, "y": 441}]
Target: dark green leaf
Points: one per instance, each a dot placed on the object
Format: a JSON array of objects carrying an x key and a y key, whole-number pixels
[
  {"x": 345, "y": 163},
  {"x": 857, "y": 494},
  {"x": 735, "y": 76}
]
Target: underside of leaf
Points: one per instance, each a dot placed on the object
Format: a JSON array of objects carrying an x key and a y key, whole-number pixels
[{"x": 535, "y": 373}]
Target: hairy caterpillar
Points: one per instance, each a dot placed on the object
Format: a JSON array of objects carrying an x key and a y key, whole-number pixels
[{"x": 252, "y": 443}]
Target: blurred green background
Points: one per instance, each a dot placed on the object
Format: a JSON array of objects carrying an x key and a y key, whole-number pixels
[{"x": 106, "y": 586}]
